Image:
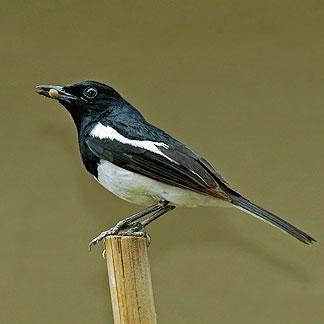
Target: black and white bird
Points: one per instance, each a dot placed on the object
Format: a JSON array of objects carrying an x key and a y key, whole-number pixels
[{"x": 144, "y": 165}]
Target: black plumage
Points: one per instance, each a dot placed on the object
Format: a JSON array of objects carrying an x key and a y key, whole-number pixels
[{"x": 141, "y": 148}]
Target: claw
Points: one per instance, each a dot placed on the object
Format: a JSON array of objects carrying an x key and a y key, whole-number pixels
[
  {"x": 129, "y": 226},
  {"x": 102, "y": 235},
  {"x": 134, "y": 231},
  {"x": 148, "y": 239}
]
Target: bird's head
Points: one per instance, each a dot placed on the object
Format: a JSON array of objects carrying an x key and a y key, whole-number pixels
[{"x": 83, "y": 98}]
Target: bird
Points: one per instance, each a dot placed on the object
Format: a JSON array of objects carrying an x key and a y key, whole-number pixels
[{"x": 143, "y": 164}]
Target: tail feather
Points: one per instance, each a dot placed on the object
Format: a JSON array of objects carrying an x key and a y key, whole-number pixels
[{"x": 257, "y": 211}]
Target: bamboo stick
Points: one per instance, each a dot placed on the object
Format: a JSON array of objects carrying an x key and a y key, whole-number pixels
[{"x": 130, "y": 280}]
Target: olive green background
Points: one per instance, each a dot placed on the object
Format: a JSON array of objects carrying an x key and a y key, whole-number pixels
[{"x": 239, "y": 81}]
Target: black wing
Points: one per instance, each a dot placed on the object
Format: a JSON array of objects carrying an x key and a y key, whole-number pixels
[{"x": 177, "y": 165}]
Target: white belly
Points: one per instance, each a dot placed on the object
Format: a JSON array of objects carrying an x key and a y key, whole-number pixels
[{"x": 142, "y": 190}]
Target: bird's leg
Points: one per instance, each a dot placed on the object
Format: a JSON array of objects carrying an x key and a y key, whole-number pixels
[
  {"x": 138, "y": 226},
  {"x": 127, "y": 221}
]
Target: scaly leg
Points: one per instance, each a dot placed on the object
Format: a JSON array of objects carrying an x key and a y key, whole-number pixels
[
  {"x": 140, "y": 225},
  {"x": 160, "y": 206}
]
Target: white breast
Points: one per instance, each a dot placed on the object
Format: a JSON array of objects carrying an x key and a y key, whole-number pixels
[{"x": 142, "y": 190}]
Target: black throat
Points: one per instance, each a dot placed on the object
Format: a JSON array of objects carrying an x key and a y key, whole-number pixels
[{"x": 89, "y": 160}]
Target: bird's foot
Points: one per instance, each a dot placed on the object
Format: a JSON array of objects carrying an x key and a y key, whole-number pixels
[
  {"x": 102, "y": 235},
  {"x": 138, "y": 229},
  {"x": 131, "y": 227},
  {"x": 134, "y": 229}
]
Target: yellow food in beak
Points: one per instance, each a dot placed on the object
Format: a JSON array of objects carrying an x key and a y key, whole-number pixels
[{"x": 53, "y": 93}]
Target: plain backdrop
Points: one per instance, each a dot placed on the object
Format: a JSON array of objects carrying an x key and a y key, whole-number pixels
[{"x": 239, "y": 81}]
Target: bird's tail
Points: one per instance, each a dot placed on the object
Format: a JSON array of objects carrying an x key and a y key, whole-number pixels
[{"x": 253, "y": 209}]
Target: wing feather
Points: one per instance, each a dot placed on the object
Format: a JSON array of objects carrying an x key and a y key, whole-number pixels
[{"x": 179, "y": 167}]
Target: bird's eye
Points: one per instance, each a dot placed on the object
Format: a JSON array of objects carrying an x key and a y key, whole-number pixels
[{"x": 90, "y": 93}]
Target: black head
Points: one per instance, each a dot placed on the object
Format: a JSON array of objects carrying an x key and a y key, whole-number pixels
[{"x": 86, "y": 98}]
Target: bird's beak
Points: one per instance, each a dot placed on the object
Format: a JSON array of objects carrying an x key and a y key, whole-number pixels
[{"x": 55, "y": 92}]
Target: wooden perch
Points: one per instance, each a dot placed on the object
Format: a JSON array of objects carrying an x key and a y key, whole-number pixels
[{"x": 130, "y": 280}]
